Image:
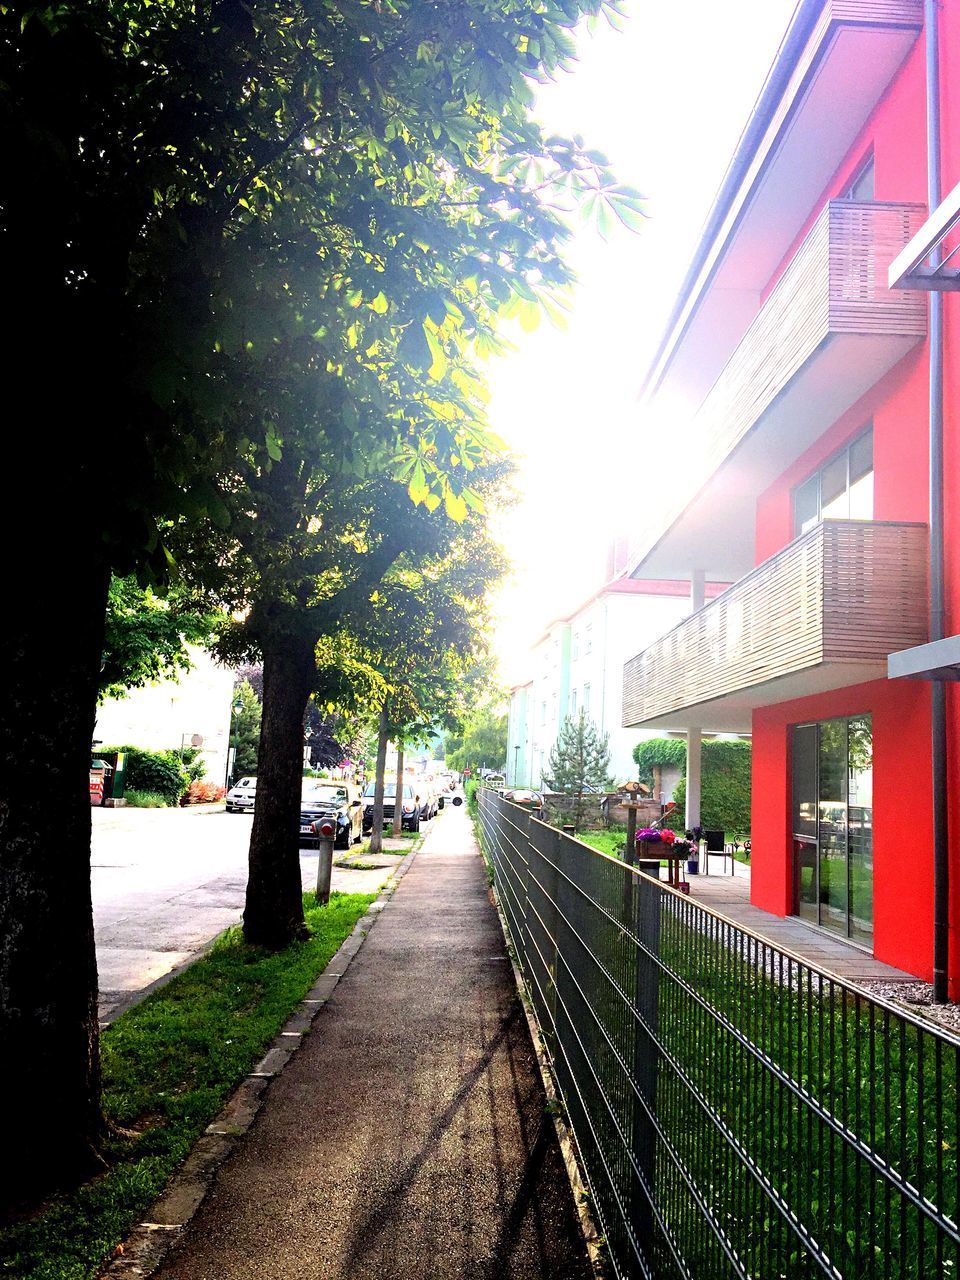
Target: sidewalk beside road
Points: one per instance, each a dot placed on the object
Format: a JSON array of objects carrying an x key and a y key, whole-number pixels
[{"x": 408, "y": 1137}]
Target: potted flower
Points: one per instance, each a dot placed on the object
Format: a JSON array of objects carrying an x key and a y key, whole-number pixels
[{"x": 649, "y": 840}]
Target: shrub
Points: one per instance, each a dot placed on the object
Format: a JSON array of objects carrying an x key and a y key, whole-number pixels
[
  {"x": 203, "y": 793},
  {"x": 145, "y": 800},
  {"x": 161, "y": 772},
  {"x": 724, "y": 789},
  {"x": 193, "y": 762}
]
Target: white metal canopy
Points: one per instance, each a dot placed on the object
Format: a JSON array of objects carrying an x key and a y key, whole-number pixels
[{"x": 910, "y": 270}]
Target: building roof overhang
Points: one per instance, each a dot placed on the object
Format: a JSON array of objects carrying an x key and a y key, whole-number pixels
[{"x": 832, "y": 67}]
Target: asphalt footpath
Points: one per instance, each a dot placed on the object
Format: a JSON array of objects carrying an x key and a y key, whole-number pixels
[{"x": 408, "y": 1137}]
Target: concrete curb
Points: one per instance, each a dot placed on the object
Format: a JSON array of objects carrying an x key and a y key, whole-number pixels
[{"x": 147, "y": 1246}]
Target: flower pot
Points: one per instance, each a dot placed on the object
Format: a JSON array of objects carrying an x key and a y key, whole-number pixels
[{"x": 693, "y": 867}]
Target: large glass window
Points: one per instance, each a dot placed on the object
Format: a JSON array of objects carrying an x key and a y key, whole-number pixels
[
  {"x": 833, "y": 825},
  {"x": 863, "y": 186},
  {"x": 841, "y": 490}
]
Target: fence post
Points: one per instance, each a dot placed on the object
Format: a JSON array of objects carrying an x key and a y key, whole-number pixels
[
  {"x": 646, "y": 922},
  {"x": 630, "y": 858}
]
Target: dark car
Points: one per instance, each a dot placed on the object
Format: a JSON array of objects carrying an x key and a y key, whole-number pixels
[
  {"x": 323, "y": 799},
  {"x": 409, "y": 802}
]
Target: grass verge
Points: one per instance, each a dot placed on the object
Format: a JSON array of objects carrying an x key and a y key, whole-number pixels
[{"x": 168, "y": 1066}]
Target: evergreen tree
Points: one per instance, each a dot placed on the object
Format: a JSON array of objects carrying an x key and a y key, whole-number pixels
[
  {"x": 246, "y": 730},
  {"x": 579, "y": 760}
]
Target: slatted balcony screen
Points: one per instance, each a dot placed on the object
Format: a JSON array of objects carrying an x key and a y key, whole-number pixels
[
  {"x": 836, "y": 283},
  {"x": 846, "y": 591}
]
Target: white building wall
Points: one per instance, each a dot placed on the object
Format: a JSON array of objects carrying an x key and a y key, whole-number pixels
[
  {"x": 602, "y": 636},
  {"x": 166, "y": 715}
]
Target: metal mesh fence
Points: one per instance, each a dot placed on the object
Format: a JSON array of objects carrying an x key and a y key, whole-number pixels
[{"x": 738, "y": 1112}]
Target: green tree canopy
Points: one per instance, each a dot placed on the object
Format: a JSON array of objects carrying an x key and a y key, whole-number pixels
[
  {"x": 277, "y": 233},
  {"x": 483, "y": 741},
  {"x": 147, "y": 635}
]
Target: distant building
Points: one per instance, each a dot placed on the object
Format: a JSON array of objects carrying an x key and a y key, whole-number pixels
[
  {"x": 577, "y": 664},
  {"x": 172, "y": 713}
]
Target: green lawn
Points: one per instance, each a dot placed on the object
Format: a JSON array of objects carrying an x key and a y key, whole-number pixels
[
  {"x": 612, "y": 842},
  {"x": 169, "y": 1064}
]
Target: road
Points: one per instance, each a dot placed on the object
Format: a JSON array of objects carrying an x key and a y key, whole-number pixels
[{"x": 166, "y": 882}]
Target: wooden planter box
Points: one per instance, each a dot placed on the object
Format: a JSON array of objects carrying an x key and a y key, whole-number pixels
[{"x": 648, "y": 858}]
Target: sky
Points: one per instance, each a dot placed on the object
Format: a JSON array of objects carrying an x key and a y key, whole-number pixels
[{"x": 666, "y": 99}]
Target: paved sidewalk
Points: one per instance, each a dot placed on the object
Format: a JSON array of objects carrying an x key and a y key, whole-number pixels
[{"x": 408, "y": 1136}]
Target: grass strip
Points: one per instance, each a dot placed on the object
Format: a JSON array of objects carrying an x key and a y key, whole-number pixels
[{"x": 169, "y": 1065}]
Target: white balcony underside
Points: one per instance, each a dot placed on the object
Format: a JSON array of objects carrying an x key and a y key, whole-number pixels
[{"x": 733, "y": 713}]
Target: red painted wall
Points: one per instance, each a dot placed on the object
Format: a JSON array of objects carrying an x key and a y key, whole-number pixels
[
  {"x": 950, "y": 109},
  {"x": 898, "y": 406},
  {"x": 903, "y": 866}
]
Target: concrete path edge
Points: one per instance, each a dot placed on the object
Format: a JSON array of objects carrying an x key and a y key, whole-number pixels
[
  {"x": 565, "y": 1135},
  {"x": 145, "y": 1248}
]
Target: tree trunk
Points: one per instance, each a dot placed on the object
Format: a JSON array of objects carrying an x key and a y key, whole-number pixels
[
  {"x": 398, "y": 802},
  {"x": 376, "y": 832},
  {"x": 50, "y": 1063},
  {"x": 273, "y": 915}
]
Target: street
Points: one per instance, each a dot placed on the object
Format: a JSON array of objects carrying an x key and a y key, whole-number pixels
[{"x": 167, "y": 881}]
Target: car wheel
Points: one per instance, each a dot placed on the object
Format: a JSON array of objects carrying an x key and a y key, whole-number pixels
[
  {"x": 415, "y": 823},
  {"x": 343, "y": 840}
]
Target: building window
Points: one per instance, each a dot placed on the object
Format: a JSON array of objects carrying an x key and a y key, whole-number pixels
[
  {"x": 832, "y": 766},
  {"x": 543, "y": 712},
  {"x": 573, "y": 703},
  {"x": 588, "y": 639},
  {"x": 586, "y": 700},
  {"x": 576, "y": 644},
  {"x": 862, "y": 187},
  {"x": 840, "y": 490}
]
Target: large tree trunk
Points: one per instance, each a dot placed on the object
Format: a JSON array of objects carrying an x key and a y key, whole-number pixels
[
  {"x": 49, "y": 1063},
  {"x": 398, "y": 803},
  {"x": 273, "y": 916},
  {"x": 376, "y": 831}
]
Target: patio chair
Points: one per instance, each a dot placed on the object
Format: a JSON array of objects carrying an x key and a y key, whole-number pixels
[{"x": 715, "y": 844}]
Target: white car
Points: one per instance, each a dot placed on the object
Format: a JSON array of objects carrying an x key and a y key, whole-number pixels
[{"x": 242, "y": 796}]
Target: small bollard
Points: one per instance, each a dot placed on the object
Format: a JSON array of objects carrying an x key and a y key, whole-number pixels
[{"x": 326, "y": 831}]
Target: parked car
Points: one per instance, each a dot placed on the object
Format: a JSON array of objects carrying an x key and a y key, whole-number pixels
[
  {"x": 525, "y": 798},
  {"x": 429, "y": 799},
  {"x": 322, "y": 799},
  {"x": 410, "y": 806},
  {"x": 242, "y": 796}
]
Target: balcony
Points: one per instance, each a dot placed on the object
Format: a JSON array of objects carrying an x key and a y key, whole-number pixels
[
  {"x": 828, "y": 331},
  {"x": 822, "y": 614}
]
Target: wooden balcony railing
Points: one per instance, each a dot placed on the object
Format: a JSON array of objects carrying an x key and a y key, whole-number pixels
[
  {"x": 846, "y": 592},
  {"x": 836, "y": 283}
]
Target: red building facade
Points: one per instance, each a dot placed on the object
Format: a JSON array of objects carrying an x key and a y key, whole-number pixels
[{"x": 803, "y": 381}]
